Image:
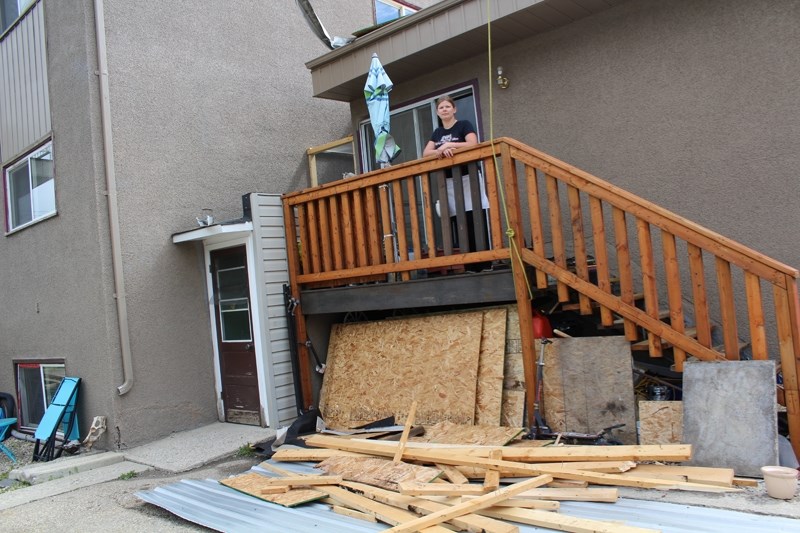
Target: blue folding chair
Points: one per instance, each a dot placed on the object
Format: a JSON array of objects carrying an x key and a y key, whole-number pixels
[
  {"x": 5, "y": 428},
  {"x": 60, "y": 413}
]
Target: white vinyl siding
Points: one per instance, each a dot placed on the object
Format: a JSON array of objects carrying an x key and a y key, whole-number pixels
[
  {"x": 272, "y": 274},
  {"x": 24, "y": 99}
]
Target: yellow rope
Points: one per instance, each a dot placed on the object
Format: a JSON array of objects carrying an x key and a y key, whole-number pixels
[{"x": 515, "y": 254}]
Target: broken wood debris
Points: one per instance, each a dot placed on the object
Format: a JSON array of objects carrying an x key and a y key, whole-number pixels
[{"x": 416, "y": 486}]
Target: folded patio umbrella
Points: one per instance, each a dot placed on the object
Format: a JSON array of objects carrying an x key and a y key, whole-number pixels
[{"x": 376, "y": 92}]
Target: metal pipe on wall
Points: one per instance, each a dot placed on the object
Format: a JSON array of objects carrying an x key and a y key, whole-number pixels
[{"x": 111, "y": 193}]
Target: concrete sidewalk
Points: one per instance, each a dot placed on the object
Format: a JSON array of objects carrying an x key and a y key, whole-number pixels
[{"x": 179, "y": 452}]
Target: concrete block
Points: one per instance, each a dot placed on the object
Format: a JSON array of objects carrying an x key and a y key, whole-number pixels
[
  {"x": 730, "y": 415},
  {"x": 64, "y": 466}
]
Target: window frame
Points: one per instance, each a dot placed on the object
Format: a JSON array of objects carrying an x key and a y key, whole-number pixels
[
  {"x": 404, "y": 9},
  {"x": 25, "y": 425},
  {"x": 10, "y": 203}
]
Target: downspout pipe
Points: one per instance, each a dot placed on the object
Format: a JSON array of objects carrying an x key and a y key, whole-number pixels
[{"x": 111, "y": 194}]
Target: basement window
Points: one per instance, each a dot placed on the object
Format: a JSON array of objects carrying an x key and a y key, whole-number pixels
[
  {"x": 36, "y": 385},
  {"x": 30, "y": 188}
]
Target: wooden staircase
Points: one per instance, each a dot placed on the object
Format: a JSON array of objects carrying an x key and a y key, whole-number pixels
[{"x": 675, "y": 280}]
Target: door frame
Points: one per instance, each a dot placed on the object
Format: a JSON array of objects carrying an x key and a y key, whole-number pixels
[{"x": 255, "y": 310}]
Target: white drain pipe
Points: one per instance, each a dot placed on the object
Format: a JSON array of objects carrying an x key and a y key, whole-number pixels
[{"x": 111, "y": 192}]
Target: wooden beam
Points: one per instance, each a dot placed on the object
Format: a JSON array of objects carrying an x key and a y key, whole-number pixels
[
  {"x": 469, "y": 522},
  {"x": 414, "y": 488},
  {"x": 398, "y": 456},
  {"x": 561, "y": 522},
  {"x": 468, "y": 507},
  {"x": 654, "y": 452}
]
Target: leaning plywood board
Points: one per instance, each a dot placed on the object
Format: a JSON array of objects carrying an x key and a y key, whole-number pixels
[
  {"x": 489, "y": 395},
  {"x": 728, "y": 427},
  {"x": 513, "y": 371},
  {"x": 376, "y": 369},
  {"x": 660, "y": 422},
  {"x": 255, "y": 484},
  {"x": 377, "y": 472},
  {"x": 588, "y": 386},
  {"x": 513, "y": 408},
  {"x": 449, "y": 433}
]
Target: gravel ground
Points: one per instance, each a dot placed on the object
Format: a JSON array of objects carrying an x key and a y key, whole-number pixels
[
  {"x": 106, "y": 507},
  {"x": 23, "y": 450}
]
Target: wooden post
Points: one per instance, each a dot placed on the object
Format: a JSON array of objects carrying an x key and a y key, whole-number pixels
[
  {"x": 517, "y": 240},
  {"x": 787, "y": 312},
  {"x": 300, "y": 322}
]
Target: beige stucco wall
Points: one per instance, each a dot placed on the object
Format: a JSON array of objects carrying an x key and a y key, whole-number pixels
[
  {"x": 689, "y": 104},
  {"x": 208, "y": 102}
]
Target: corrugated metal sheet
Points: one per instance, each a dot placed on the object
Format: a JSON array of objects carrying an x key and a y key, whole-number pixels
[
  {"x": 24, "y": 98},
  {"x": 218, "y": 507}
]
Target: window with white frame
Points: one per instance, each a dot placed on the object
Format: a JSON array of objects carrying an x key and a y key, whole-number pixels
[
  {"x": 30, "y": 188},
  {"x": 386, "y": 10},
  {"x": 37, "y": 383}
]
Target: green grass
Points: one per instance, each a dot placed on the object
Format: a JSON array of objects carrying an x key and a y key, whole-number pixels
[
  {"x": 128, "y": 475},
  {"x": 245, "y": 450}
]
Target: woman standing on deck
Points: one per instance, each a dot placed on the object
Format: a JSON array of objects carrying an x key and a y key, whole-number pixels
[{"x": 452, "y": 134}]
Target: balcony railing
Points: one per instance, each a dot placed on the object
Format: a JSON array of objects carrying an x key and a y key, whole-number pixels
[{"x": 613, "y": 252}]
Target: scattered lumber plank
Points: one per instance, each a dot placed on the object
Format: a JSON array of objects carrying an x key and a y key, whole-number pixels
[
  {"x": 653, "y": 452},
  {"x": 377, "y": 471},
  {"x": 253, "y": 484},
  {"x": 470, "y": 522},
  {"x": 413, "y": 488},
  {"x": 603, "y": 495},
  {"x": 398, "y": 456},
  {"x": 698, "y": 474},
  {"x": 304, "y": 481},
  {"x": 452, "y": 473},
  {"x": 491, "y": 480},
  {"x": 561, "y": 522},
  {"x": 383, "y": 512},
  {"x": 480, "y": 502},
  {"x": 438, "y": 455},
  {"x": 522, "y": 503},
  {"x": 352, "y": 513}
]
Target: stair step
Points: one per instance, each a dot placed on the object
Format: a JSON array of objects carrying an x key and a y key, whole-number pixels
[
  {"x": 574, "y": 306},
  {"x": 644, "y": 345},
  {"x": 662, "y": 315}
]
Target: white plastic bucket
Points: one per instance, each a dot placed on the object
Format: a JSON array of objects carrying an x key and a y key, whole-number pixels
[{"x": 780, "y": 481}]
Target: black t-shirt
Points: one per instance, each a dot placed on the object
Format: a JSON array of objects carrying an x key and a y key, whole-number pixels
[{"x": 458, "y": 133}]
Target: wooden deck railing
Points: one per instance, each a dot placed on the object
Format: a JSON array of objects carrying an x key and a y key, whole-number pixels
[{"x": 594, "y": 242}]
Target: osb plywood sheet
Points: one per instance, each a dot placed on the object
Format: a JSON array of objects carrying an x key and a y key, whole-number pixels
[
  {"x": 253, "y": 483},
  {"x": 513, "y": 370},
  {"x": 382, "y": 473},
  {"x": 489, "y": 395},
  {"x": 449, "y": 433},
  {"x": 376, "y": 369},
  {"x": 588, "y": 385},
  {"x": 513, "y": 408},
  {"x": 660, "y": 422}
]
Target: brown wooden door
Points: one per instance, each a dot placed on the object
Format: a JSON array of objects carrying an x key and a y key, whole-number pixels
[{"x": 237, "y": 355}]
